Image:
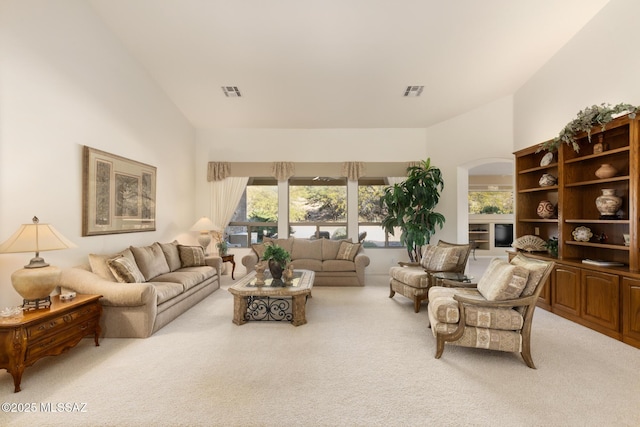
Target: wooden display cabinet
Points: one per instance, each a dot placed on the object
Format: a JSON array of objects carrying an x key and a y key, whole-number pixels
[{"x": 604, "y": 298}]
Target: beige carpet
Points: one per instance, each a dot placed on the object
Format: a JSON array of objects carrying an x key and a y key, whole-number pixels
[{"x": 363, "y": 359}]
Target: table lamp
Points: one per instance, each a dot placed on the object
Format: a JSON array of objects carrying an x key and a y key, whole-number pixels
[
  {"x": 205, "y": 227},
  {"x": 37, "y": 280}
]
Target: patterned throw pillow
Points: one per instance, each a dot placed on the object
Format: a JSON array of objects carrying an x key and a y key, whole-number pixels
[
  {"x": 191, "y": 256},
  {"x": 502, "y": 281},
  {"x": 348, "y": 251},
  {"x": 438, "y": 258},
  {"x": 125, "y": 270}
]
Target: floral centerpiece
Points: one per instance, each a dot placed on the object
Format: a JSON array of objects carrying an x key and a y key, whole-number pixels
[{"x": 277, "y": 257}]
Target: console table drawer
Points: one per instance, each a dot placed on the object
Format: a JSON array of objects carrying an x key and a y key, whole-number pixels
[
  {"x": 55, "y": 344},
  {"x": 56, "y": 324}
]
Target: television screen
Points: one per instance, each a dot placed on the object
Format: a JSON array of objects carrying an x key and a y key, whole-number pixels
[{"x": 503, "y": 235}]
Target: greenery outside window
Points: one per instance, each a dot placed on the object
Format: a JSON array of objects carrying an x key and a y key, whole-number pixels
[{"x": 256, "y": 215}]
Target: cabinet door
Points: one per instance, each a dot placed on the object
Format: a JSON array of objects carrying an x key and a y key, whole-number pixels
[
  {"x": 601, "y": 299},
  {"x": 631, "y": 311},
  {"x": 565, "y": 292}
]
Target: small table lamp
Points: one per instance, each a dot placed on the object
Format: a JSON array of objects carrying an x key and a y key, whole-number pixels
[
  {"x": 205, "y": 227},
  {"x": 38, "y": 279}
]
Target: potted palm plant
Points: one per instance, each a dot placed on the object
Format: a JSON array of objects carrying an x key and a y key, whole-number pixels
[
  {"x": 410, "y": 205},
  {"x": 277, "y": 257}
]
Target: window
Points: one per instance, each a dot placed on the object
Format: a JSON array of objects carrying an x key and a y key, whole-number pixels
[
  {"x": 318, "y": 207},
  {"x": 370, "y": 214},
  {"x": 491, "y": 202},
  {"x": 256, "y": 215}
]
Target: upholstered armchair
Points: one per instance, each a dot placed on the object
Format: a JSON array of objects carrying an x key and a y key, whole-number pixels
[
  {"x": 495, "y": 316},
  {"x": 413, "y": 280}
]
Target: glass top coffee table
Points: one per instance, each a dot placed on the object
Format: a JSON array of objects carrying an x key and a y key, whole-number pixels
[
  {"x": 272, "y": 300},
  {"x": 462, "y": 280}
]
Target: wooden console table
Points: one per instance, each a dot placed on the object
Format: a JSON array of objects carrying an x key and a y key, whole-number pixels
[{"x": 47, "y": 332}]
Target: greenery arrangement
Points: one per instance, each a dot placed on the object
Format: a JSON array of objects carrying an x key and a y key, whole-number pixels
[
  {"x": 277, "y": 254},
  {"x": 223, "y": 247},
  {"x": 590, "y": 117},
  {"x": 410, "y": 206},
  {"x": 552, "y": 246}
]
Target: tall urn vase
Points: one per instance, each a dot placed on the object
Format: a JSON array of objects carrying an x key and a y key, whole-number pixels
[
  {"x": 608, "y": 204},
  {"x": 275, "y": 268}
]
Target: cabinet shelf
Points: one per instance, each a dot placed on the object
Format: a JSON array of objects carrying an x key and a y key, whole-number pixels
[
  {"x": 598, "y": 181},
  {"x": 597, "y": 221},
  {"x": 598, "y": 245},
  {"x": 539, "y": 168},
  {"x": 548, "y": 220},
  {"x": 537, "y": 189},
  {"x": 594, "y": 156}
]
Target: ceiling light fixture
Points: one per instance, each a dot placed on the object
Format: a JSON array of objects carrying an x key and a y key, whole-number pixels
[
  {"x": 231, "y": 91},
  {"x": 413, "y": 90}
]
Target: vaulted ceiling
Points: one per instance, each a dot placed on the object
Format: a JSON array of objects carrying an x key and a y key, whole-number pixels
[{"x": 340, "y": 63}]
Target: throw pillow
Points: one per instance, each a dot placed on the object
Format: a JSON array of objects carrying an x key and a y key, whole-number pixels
[
  {"x": 348, "y": 251},
  {"x": 150, "y": 260},
  {"x": 125, "y": 270},
  {"x": 502, "y": 281},
  {"x": 191, "y": 256},
  {"x": 99, "y": 266},
  {"x": 439, "y": 258},
  {"x": 259, "y": 248},
  {"x": 172, "y": 255}
]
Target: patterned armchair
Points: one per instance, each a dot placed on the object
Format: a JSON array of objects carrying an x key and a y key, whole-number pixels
[
  {"x": 413, "y": 280},
  {"x": 495, "y": 316}
]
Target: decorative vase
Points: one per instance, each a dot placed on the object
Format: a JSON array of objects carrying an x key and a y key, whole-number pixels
[
  {"x": 606, "y": 171},
  {"x": 608, "y": 203},
  {"x": 547, "y": 180},
  {"x": 545, "y": 209},
  {"x": 276, "y": 269}
]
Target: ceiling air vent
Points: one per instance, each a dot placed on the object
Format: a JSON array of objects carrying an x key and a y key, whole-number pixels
[
  {"x": 413, "y": 90},
  {"x": 231, "y": 91}
]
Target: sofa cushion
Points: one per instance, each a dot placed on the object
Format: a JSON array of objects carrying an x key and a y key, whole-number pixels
[
  {"x": 285, "y": 244},
  {"x": 444, "y": 309},
  {"x": 188, "y": 277},
  {"x": 167, "y": 290},
  {"x": 307, "y": 264},
  {"x": 171, "y": 254},
  {"x": 125, "y": 270},
  {"x": 99, "y": 266},
  {"x": 439, "y": 258},
  {"x": 307, "y": 249},
  {"x": 338, "y": 265},
  {"x": 151, "y": 260},
  {"x": 502, "y": 281},
  {"x": 330, "y": 248},
  {"x": 348, "y": 251},
  {"x": 415, "y": 277},
  {"x": 536, "y": 270},
  {"x": 191, "y": 256}
]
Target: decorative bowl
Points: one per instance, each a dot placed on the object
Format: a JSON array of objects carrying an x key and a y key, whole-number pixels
[
  {"x": 582, "y": 234},
  {"x": 547, "y": 159}
]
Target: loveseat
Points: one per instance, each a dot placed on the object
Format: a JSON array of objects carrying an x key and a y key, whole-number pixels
[
  {"x": 145, "y": 288},
  {"x": 335, "y": 262}
]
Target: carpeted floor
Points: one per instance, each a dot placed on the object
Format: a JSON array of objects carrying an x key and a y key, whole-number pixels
[{"x": 362, "y": 360}]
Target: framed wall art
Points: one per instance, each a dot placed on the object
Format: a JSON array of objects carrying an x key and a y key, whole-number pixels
[{"x": 118, "y": 194}]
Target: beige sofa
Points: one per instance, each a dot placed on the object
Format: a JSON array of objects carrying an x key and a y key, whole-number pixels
[
  {"x": 335, "y": 262},
  {"x": 145, "y": 288}
]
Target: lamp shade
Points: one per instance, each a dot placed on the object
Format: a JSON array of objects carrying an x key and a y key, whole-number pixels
[
  {"x": 203, "y": 224},
  {"x": 35, "y": 238}
]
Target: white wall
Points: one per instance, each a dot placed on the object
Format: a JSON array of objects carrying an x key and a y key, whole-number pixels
[
  {"x": 600, "y": 64},
  {"x": 484, "y": 135},
  {"x": 65, "y": 82}
]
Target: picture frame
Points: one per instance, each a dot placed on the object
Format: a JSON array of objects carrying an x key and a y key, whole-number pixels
[{"x": 118, "y": 194}]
